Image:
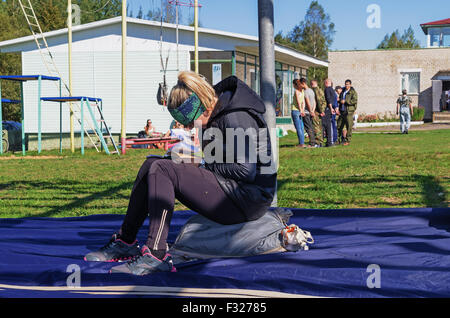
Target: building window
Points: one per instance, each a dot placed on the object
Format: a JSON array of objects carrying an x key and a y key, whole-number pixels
[
  {"x": 435, "y": 37},
  {"x": 439, "y": 37},
  {"x": 411, "y": 82},
  {"x": 446, "y": 37},
  {"x": 254, "y": 80}
]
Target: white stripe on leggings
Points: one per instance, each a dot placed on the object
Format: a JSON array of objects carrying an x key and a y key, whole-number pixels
[{"x": 161, "y": 227}]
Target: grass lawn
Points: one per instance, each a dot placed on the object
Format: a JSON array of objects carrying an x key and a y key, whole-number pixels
[{"x": 377, "y": 170}]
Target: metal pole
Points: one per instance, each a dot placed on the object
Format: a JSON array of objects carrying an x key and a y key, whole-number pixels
[
  {"x": 124, "y": 73},
  {"x": 196, "y": 35},
  {"x": 267, "y": 73},
  {"x": 39, "y": 114},
  {"x": 82, "y": 125},
  {"x": 69, "y": 34},
  {"x": 233, "y": 63},
  {"x": 1, "y": 121},
  {"x": 22, "y": 118},
  {"x": 60, "y": 117},
  {"x": 178, "y": 57}
]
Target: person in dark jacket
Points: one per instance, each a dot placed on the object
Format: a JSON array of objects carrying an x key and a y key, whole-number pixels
[
  {"x": 330, "y": 97},
  {"x": 236, "y": 183},
  {"x": 348, "y": 104}
]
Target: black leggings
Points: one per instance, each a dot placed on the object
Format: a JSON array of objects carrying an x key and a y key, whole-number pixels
[{"x": 161, "y": 181}]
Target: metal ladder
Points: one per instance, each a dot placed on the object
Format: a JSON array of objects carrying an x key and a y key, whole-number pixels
[
  {"x": 49, "y": 62},
  {"x": 109, "y": 135}
]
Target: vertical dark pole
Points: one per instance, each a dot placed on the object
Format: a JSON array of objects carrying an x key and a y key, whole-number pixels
[
  {"x": 233, "y": 63},
  {"x": 60, "y": 117},
  {"x": 245, "y": 68},
  {"x": 22, "y": 118},
  {"x": 267, "y": 72},
  {"x": 1, "y": 121}
]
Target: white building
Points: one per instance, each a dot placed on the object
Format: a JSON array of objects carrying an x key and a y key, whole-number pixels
[{"x": 97, "y": 68}]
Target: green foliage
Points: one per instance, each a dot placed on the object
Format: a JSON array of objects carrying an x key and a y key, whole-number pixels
[
  {"x": 397, "y": 41},
  {"x": 418, "y": 114},
  {"x": 314, "y": 36}
]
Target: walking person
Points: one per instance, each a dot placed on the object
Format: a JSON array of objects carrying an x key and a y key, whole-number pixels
[
  {"x": 297, "y": 112},
  {"x": 347, "y": 108},
  {"x": 310, "y": 108},
  {"x": 330, "y": 98},
  {"x": 319, "y": 112},
  {"x": 404, "y": 107},
  {"x": 224, "y": 192}
]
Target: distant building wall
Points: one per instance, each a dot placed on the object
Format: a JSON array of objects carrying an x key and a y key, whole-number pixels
[{"x": 376, "y": 75}]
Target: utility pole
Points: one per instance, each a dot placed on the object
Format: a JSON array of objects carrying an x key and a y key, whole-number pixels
[
  {"x": 123, "y": 135},
  {"x": 177, "y": 40},
  {"x": 69, "y": 41},
  {"x": 196, "y": 35},
  {"x": 267, "y": 73}
]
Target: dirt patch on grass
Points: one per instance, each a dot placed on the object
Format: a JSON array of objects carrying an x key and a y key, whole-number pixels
[{"x": 391, "y": 200}]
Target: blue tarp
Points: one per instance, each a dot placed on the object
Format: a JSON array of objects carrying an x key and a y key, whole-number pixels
[{"x": 410, "y": 247}]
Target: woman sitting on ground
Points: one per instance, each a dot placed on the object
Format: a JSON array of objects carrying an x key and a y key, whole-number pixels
[{"x": 236, "y": 191}]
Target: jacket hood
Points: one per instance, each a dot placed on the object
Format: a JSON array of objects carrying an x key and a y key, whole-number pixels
[{"x": 238, "y": 97}]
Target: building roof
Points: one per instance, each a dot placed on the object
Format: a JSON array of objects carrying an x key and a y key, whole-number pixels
[
  {"x": 18, "y": 42},
  {"x": 425, "y": 26}
]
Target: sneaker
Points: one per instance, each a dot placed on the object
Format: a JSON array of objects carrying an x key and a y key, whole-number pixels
[
  {"x": 115, "y": 251},
  {"x": 145, "y": 264}
]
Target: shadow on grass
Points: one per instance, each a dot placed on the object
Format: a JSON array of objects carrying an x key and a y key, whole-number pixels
[
  {"x": 433, "y": 193},
  {"x": 60, "y": 189}
]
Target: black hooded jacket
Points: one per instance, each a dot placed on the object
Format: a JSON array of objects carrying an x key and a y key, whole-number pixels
[{"x": 246, "y": 171}]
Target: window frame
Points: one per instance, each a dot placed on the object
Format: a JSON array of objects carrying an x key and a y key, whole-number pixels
[{"x": 402, "y": 72}]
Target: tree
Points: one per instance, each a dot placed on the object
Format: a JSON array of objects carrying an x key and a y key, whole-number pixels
[
  {"x": 314, "y": 35},
  {"x": 140, "y": 14},
  {"x": 397, "y": 41},
  {"x": 168, "y": 13}
]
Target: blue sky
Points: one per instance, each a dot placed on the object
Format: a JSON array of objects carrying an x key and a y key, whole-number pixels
[{"x": 349, "y": 16}]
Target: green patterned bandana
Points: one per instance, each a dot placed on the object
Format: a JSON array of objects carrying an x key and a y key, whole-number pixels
[{"x": 189, "y": 111}]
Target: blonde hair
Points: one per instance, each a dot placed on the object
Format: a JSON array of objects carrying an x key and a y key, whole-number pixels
[{"x": 189, "y": 82}]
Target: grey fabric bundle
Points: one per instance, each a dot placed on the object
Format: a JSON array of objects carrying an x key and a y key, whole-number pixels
[{"x": 201, "y": 238}]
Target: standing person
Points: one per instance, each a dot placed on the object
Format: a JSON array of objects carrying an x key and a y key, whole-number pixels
[
  {"x": 330, "y": 98},
  {"x": 310, "y": 108},
  {"x": 231, "y": 192},
  {"x": 319, "y": 112},
  {"x": 297, "y": 112},
  {"x": 338, "y": 91},
  {"x": 404, "y": 105},
  {"x": 347, "y": 108}
]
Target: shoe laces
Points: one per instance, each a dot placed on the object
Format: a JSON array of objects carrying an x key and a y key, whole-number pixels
[
  {"x": 110, "y": 243},
  {"x": 135, "y": 259}
]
